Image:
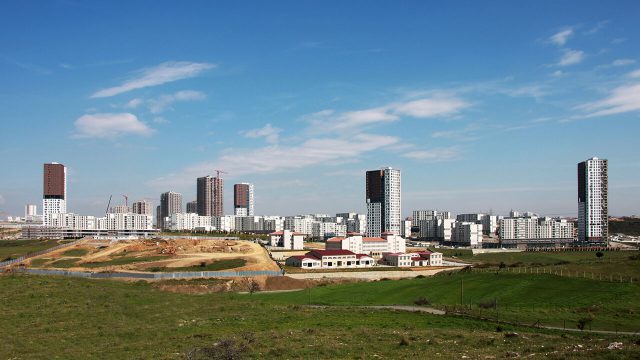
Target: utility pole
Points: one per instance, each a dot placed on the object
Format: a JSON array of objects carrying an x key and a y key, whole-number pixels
[{"x": 462, "y": 290}]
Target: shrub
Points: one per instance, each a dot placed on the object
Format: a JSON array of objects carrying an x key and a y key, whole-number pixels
[
  {"x": 227, "y": 349},
  {"x": 583, "y": 322},
  {"x": 404, "y": 341},
  {"x": 599, "y": 254},
  {"x": 489, "y": 304},
  {"x": 422, "y": 301}
]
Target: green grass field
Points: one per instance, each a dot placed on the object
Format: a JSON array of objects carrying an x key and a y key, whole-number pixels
[
  {"x": 123, "y": 261},
  {"x": 72, "y": 318},
  {"x": 626, "y": 263},
  {"x": 76, "y": 252},
  {"x": 16, "y": 248},
  {"x": 214, "y": 266},
  {"x": 552, "y": 300}
]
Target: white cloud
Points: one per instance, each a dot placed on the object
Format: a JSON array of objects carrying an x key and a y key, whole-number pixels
[
  {"x": 571, "y": 57},
  {"x": 635, "y": 74},
  {"x": 560, "y": 38},
  {"x": 109, "y": 125},
  {"x": 621, "y": 99},
  {"x": 557, "y": 73},
  {"x": 439, "y": 154},
  {"x": 158, "y": 75},
  {"x": 2, "y": 201},
  {"x": 134, "y": 103},
  {"x": 623, "y": 62},
  {"x": 276, "y": 158},
  {"x": 433, "y": 107},
  {"x": 329, "y": 120},
  {"x": 164, "y": 102},
  {"x": 269, "y": 132}
]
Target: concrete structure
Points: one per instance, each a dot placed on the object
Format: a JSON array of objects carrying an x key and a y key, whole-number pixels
[
  {"x": 30, "y": 210},
  {"x": 531, "y": 231},
  {"x": 218, "y": 196},
  {"x": 142, "y": 207},
  {"x": 69, "y": 225},
  {"x": 204, "y": 191},
  {"x": 406, "y": 228},
  {"x": 374, "y": 246},
  {"x": 170, "y": 203},
  {"x": 332, "y": 259},
  {"x": 190, "y": 222},
  {"x": 192, "y": 206},
  {"x": 467, "y": 234},
  {"x": 243, "y": 199},
  {"x": 430, "y": 224},
  {"x": 593, "y": 210},
  {"x": 426, "y": 258},
  {"x": 120, "y": 209},
  {"x": 287, "y": 239},
  {"x": 489, "y": 222},
  {"x": 383, "y": 196},
  {"x": 356, "y": 223},
  {"x": 54, "y": 194},
  {"x": 325, "y": 230}
]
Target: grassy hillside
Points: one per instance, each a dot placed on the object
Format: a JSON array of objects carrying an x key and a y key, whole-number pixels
[
  {"x": 552, "y": 300},
  {"x": 16, "y": 248},
  {"x": 54, "y": 317}
]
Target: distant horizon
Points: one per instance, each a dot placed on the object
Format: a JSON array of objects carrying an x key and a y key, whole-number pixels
[{"x": 482, "y": 106}]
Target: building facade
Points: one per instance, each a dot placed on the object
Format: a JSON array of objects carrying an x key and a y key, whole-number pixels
[
  {"x": 332, "y": 259},
  {"x": 170, "y": 203},
  {"x": 374, "y": 246},
  {"x": 142, "y": 207},
  {"x": 243, "y": 199},
  {"x": 287, "y": 239},
  {"x": 383, "y": 197},
  {"x": 532, "y": 231},
  {"x": 54, "y": 194},
  {"x": 204, "y": 191},
  {"x": 192, "y": 207},
  {"x": 593, "y": 214}
]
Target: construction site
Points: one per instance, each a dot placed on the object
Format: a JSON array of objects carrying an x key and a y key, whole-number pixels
[{"x": 157, "y": 255}]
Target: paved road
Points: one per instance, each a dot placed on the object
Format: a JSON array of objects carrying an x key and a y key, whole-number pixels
[
  {"x": 389, "y": 307},
  {"x": 368, "y": 275}
]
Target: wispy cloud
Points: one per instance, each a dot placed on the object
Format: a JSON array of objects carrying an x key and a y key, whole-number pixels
[
  {"x": 465, "y": 134},
  {"x": 599, "y": 26},
  {"x": 438, "y": 154},
  {"x": 109, "y": 125},
  {"x": 134, "y": 103},
  {"x": 623, "y": 62},
  {"x": 2, "y": 201},
  {"x": 329, "y": 120},
  {"x": 157, "y": 75},
  {"x": 268, "y": 132},
  {"x": 635, "y": 74},
  {"x": 276, "y": 158},
  {"x": 622, "y": 99},
  {"x": 571, "y": 57},
  {"x": 560, "y": 38},
  {"x": 164, "y": 102}
]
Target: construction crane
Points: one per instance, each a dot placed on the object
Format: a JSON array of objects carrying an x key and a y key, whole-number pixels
[
  {"x": 109, "y": 204},
  {"x": 126, "y": 200},
  {"x": 218, "y": 172}
]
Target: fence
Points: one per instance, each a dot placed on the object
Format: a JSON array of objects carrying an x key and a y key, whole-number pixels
[
  {"x": 155, "y": 276},
  {"x": 559, "y": 271},
  {"x": 37, "y": 253}
]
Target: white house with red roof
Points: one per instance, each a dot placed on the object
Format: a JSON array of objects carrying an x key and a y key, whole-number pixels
[
  {"x": 330, "y": 259},
  {"x": 424, "y": 258},
  {"x": 287, "y": 239},
  {"x": 374, "y": 246}
]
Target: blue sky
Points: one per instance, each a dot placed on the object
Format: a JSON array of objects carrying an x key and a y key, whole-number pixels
[{"x": 482, "y": 105}]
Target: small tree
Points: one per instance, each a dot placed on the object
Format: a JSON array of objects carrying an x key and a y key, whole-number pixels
[
  {"x": 501, "y": 266},
  {"x": 599, "y": 254},
  {"x": 583, "y": 322}
]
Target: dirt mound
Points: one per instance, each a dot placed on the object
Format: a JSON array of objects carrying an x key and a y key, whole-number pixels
[{"x": 285, "y": 283}]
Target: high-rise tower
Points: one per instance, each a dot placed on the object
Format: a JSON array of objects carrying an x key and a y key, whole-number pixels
[
  {"x": 54, "y": 194},
  {"x": 593, "y": 214},
  {"x": 218, "y": 199},
  {"x": 383, "y": 195},
  {"x": 170, "y": 203},
  {"x": 205, "y": 194},
  {"x": 243, "y": 199}
]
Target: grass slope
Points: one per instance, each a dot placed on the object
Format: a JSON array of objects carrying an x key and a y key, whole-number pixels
[
  {"x": 214, "y": 266},
  {"x": 72, "y": 318},
  {"x": 550, "y": 299},
  {"x": 123, "y": 261},
  {"x": 16, "y": 248}
]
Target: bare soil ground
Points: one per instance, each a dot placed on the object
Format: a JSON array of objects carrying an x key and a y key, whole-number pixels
[{"x": 176, "y": 253}]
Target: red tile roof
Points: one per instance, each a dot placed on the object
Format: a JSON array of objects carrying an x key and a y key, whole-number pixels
[
  {"x": 360, "y": 256},
  {"x": 321, "y": 253},
  {"x": 373, "y": 239},
  {"x": 282, "y": 233},
  {"x": 336, "y": 239}
]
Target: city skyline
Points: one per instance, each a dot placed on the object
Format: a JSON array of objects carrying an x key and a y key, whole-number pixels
[{"x": 477, "y": 118}]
